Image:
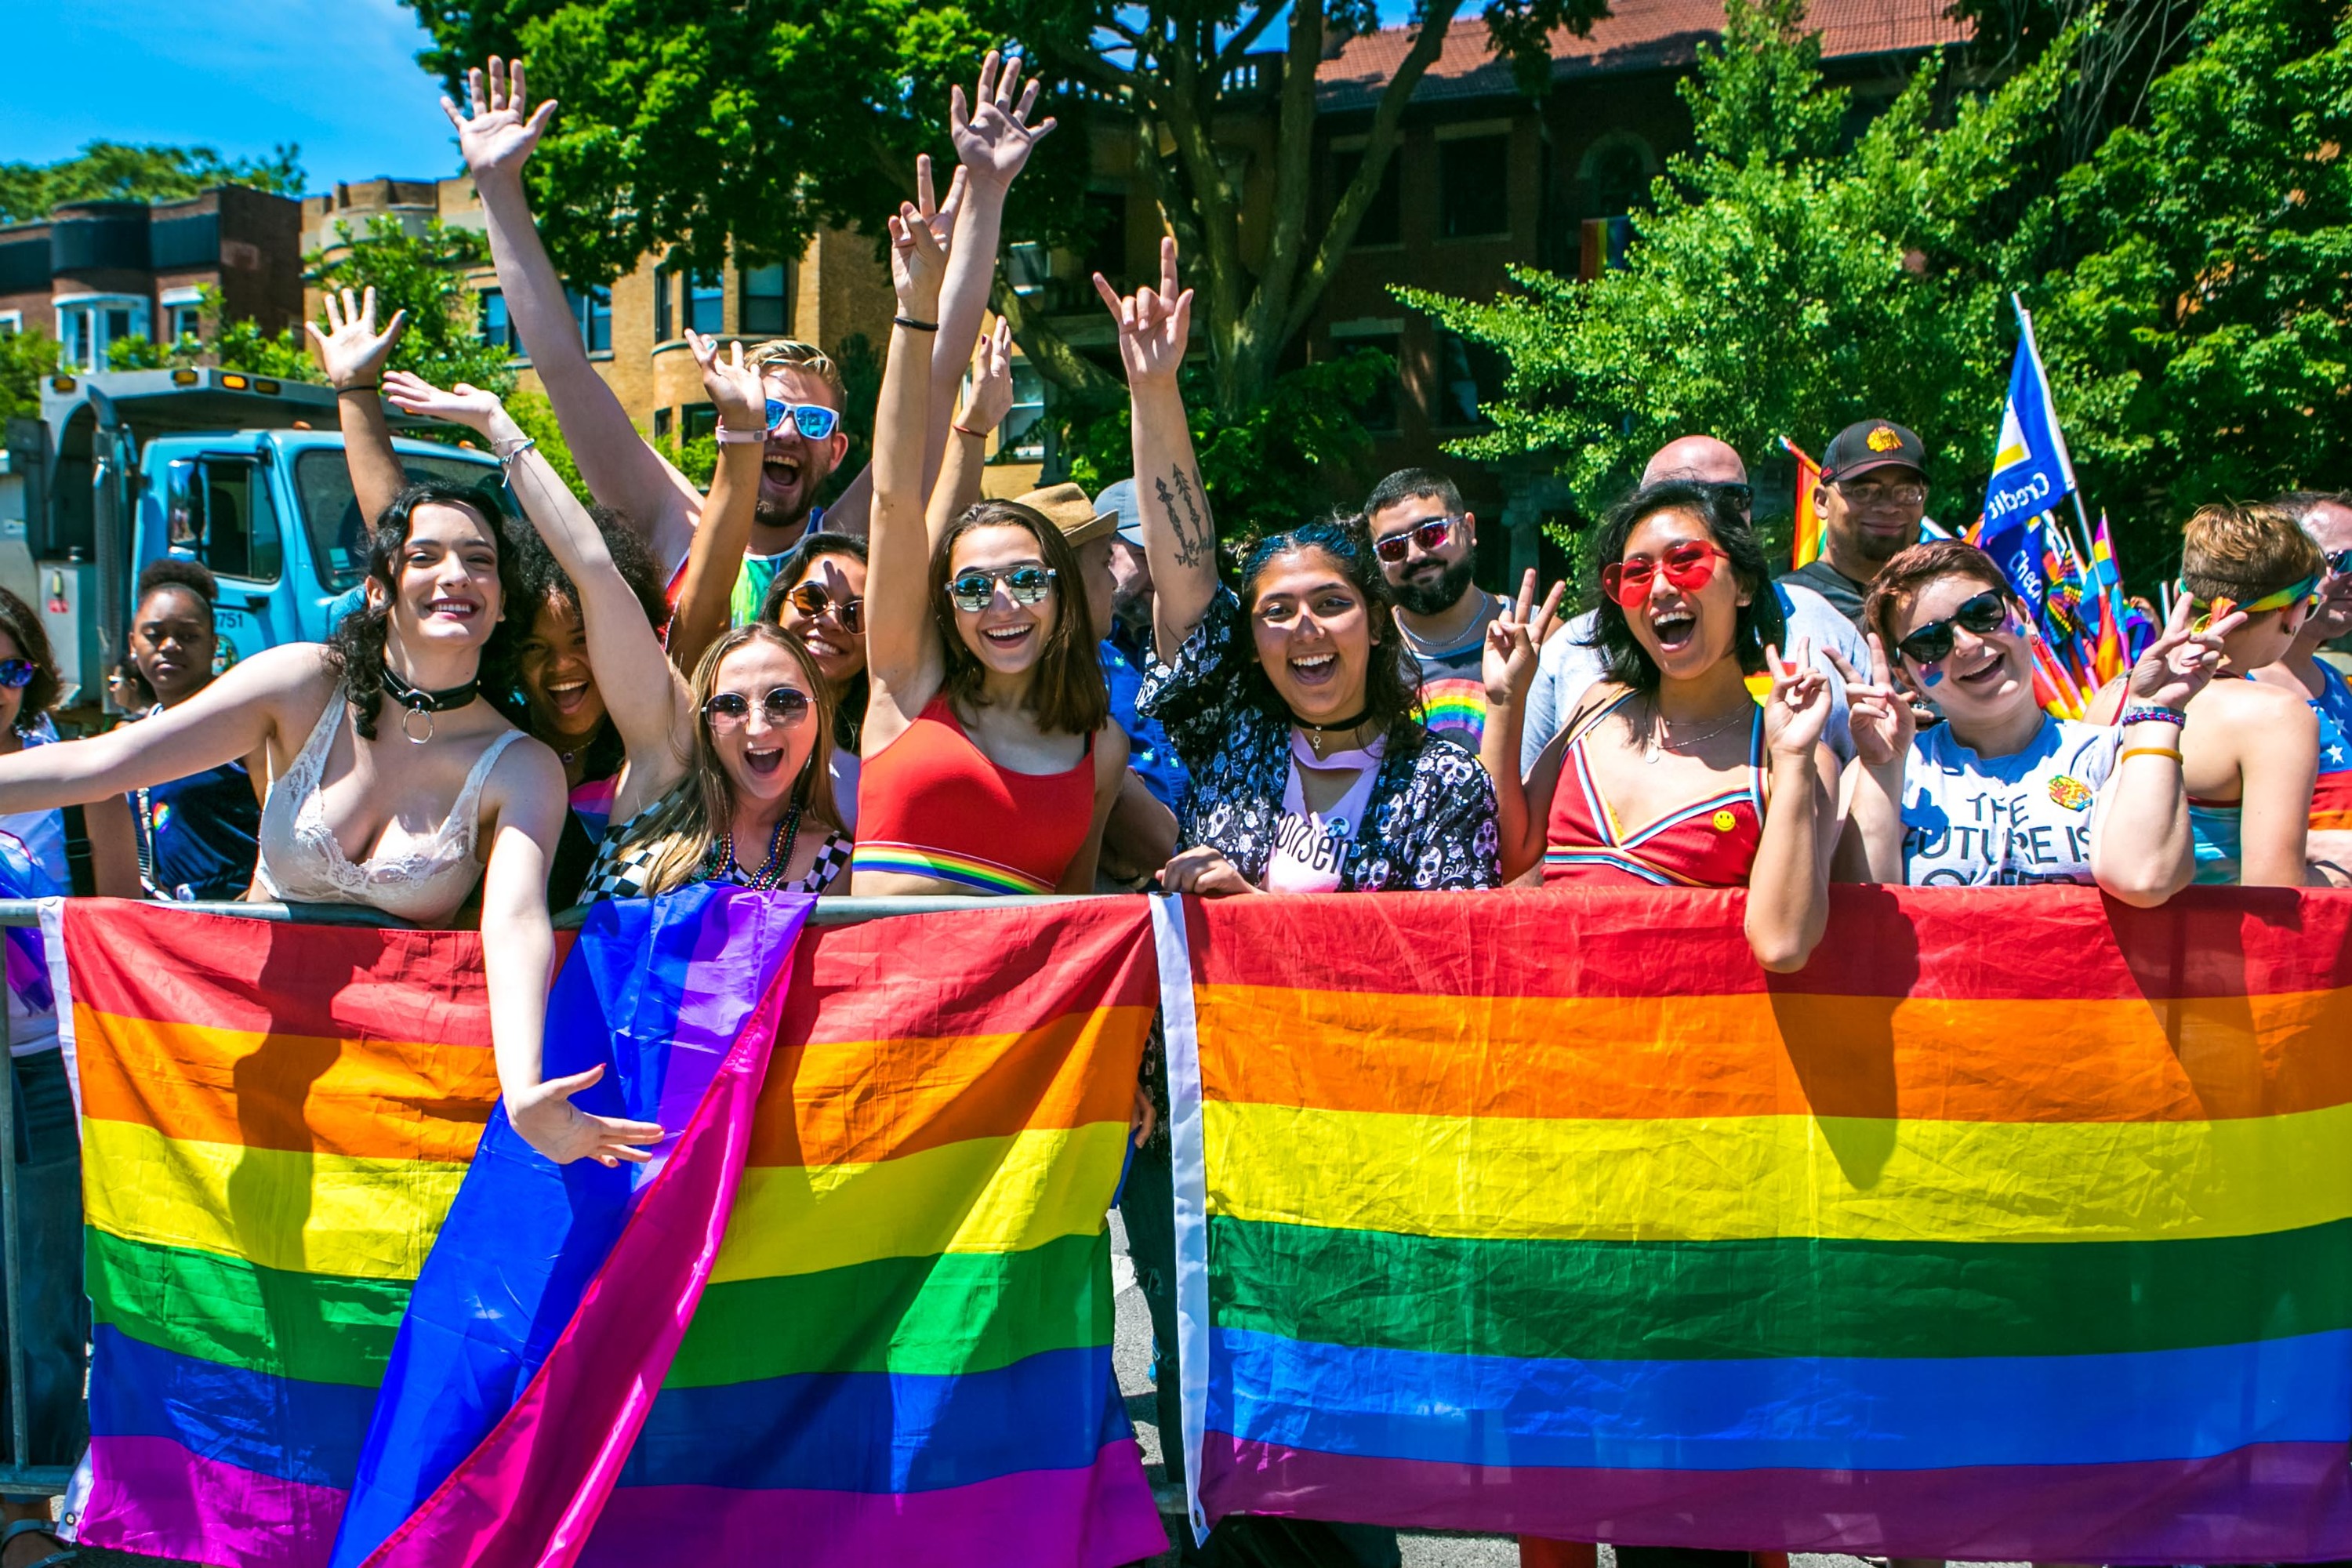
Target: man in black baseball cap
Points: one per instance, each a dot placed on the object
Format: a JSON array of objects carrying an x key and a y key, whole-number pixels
[{"x": 1873, "y": 490}]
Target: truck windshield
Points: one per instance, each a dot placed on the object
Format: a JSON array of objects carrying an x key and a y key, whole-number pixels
[{"x": 332, "y": 513}]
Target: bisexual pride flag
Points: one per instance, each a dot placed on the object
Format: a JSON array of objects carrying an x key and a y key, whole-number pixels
[{"x": 2018, "y": 1225}]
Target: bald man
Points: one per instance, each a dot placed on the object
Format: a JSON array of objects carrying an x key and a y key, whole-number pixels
[{"x": 1569, "y": 666}]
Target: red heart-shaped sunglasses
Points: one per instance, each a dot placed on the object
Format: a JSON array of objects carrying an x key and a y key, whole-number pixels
[{"x": 1688, "y": 565}]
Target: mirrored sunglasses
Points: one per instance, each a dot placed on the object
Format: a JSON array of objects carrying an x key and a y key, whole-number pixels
[
  {"x": 15, "y": 674},
  {"x": 812, "y": 420},
  {"x": 785, "y": 706},
  {"x": 973, "y": 589},
  {"x": 1430, "y": 534},
  {"x": 1689, "y": 566},
  {"x": 1982, "y": 613}
]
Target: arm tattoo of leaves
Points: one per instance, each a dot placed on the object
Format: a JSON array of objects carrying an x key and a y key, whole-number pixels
[{"x": 1191, "y": 529}]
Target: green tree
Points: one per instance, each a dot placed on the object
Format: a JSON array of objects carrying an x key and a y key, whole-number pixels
[
  {"x": 116, "y": 171},
  {"x": 1783, "y": 284},
  {"x": 25, "y": 358},
  {"x": 2203, "y": 323}
]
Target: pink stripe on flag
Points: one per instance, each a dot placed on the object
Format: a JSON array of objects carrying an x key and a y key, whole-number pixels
[
  {"x": 1095, "y": 1518},
  {"x": 529, "y": 1495},
  {"x": 152, "y": 1496},
  {"x": 2265, "y": 1502}
]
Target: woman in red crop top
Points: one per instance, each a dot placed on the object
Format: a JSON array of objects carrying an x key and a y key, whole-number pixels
[
  {"x": 1672, "y": 774},
  {"x": 991, "y": 762}
]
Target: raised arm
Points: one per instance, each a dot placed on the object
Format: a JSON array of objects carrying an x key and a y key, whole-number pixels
[
  {"x": 902, "y": 653},
  {"x": 1514, "y": 642},
  {"x": 706, "y": 596},
  {"x": 623, "y": 473},
  {"x": 641, "y": 691},
  {"x": 354, "y": 355},
  {"x": 2142, "y": 851},
  {"x": 1180, "y": 537},
  {"x": 1788, "y": 888},
  {"x": 958, "y": 485}
]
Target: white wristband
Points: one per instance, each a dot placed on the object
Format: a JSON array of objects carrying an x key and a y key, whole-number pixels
[{"x": 739, "y": 438}]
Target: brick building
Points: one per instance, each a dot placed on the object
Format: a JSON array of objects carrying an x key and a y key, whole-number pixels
[{"x": 93, "y": 273}]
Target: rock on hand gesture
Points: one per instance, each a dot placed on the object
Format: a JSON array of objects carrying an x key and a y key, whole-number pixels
[{"x": 1153, "y": 328}]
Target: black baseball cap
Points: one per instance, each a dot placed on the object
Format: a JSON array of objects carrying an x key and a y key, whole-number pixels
[{"x": 1873, "y": 444}]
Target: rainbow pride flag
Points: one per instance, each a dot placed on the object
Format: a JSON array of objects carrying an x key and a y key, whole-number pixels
[
  {"x": 1806, "y": 526},
  {"x": 2017, "y": 1226},
  {"x": 893, "y": 1344}
]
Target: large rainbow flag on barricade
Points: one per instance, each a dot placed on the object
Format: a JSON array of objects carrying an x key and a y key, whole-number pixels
[
  {"x": 861, "y": 1303},
  {"x": 2019, "y": 1224}
]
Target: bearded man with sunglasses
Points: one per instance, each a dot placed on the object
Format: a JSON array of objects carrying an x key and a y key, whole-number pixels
[
  {"x": 1872, "y": 495},
  {"x": 1427, "y": 546}
]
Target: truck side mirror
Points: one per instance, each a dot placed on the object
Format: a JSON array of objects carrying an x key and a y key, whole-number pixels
[{"x": 184, "y": 504}]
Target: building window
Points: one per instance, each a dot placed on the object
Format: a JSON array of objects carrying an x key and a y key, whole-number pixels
[
  {"x": 701, "y": 418},
  {"x": 11, "y": 322},
  {"x": 1377, "y": 413},
  {"x": 1615, "y": 172},
  {"x": 665, "y": 318},
  {"x": 1383, "y": 221},
  {"x": 661, "y": 424},
  {"x": 1469, "y": 376},
  {"x": 766, "y": 307},
  {"x": 90, "y": 324},
  {"x": 182, "y": 314},
  {"x": 498, "y": 325},
  {"x": 592, "y": 309},
  {"x": 705, "y": 304},
  {"x": 1473, "y": 186},
  {"x": 1023, "y": 429}
]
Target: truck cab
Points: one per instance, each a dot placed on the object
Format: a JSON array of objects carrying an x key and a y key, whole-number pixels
[{"x": 243, "y": 473}]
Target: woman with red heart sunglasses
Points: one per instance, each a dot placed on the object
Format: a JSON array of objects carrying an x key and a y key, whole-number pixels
[{"x": 1672, "y": 774}]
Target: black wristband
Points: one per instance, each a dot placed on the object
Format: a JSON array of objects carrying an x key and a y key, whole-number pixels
[
  {"x": 913, "y": 325},
  {"x": 359, "y": 386}
]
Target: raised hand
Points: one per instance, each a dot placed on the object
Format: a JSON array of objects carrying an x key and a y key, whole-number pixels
[
  {"x": 499, "y": 138},
  {"x": 461, "y": 405},
  {"x": 992, "y": 382},
  {"x": 351, "y": 351},
  {"x": 559, "y": 1129},
  {"x": 1153, "y": 328},
  {"x": 735, "y": 388},
  {"x": 1877, "y": 712},
  {"x": 1798, "y": 709},
  {"x": 918, "y": 240},
  {"x": 2179, "y": 662},
  {"x": 1515, "y": 641},
  {"x": 994, "y": 139}
]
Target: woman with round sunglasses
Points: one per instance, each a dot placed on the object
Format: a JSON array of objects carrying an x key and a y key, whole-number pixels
[
  {"x": 2250, "y": 752},
  {"x": 2001, "y": 793},
  {"x": 1670, "y": 772},
  {"x": 725, "y": 776},
  {"x": 1290, "y": 701},
  {"x": 991, "y": 762}
]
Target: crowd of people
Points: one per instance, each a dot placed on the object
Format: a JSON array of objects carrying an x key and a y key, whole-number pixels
[{"x": 915, "y": 690}]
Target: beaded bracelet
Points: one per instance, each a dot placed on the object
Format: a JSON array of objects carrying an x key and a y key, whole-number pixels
[{"x": 2148, "y": 713}]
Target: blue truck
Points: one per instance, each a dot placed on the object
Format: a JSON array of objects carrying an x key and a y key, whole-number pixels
[{"x": 244, "y": 473}]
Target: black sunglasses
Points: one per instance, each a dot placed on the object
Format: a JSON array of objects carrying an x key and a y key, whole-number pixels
[
  {"x": 785, "y": 706},
  {"x": 812, "y": 600},
  {"x": 1429, "y": 533},
  {"x": 1741, "y": 497},
  {"x": 1982, "y": 613}
]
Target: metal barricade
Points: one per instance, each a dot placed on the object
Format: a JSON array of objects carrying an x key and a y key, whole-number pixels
[{"x": 21, "y": 1480}]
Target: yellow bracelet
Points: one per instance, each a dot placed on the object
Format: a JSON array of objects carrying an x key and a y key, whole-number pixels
[{"x": 2131, "y": 751}]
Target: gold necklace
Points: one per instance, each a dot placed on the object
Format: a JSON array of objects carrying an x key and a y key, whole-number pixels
[{"x": 1657, "y": 742}]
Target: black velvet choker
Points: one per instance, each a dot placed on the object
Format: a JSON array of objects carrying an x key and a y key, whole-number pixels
[{"x": 415, "y": 699}]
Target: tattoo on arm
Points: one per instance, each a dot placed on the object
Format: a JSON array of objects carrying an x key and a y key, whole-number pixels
[{"x": 1190, "y": 527}]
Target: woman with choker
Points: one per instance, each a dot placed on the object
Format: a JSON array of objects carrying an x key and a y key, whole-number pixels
[
  {"x": 1670, "y": 774},
  {"x": 396, "y": 786},
  {"x": 725, "y": 777},
  {"x": 1290, "y": 701}
]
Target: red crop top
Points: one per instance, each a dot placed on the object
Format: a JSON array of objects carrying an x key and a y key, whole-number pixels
[
  {"x": 1709, "y": 844},
  {"x": 930, "y": 804}
]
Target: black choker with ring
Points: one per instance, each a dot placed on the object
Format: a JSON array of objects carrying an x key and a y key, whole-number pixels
[
  {"x": 1316, "y": 734},
  {"x": 414, "y": 700}
]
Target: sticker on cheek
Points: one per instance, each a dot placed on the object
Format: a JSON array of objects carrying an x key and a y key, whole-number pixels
[{"x": 1933, "y": 678}]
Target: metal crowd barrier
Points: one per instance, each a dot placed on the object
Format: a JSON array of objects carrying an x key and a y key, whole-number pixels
[{"x": 18, "y": 1479}]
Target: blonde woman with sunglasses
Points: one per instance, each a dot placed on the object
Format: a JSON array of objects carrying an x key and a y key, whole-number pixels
[{"x": 726, "y": 773}]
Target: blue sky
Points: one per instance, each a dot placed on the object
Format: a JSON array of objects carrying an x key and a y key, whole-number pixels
[{"x": 340, "y": 77}]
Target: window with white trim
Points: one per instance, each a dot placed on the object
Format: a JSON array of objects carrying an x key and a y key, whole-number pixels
[{"x": 90, "y": 324}]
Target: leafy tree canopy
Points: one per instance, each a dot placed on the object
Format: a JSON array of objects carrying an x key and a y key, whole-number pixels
[{"x": 116, "y": 171}]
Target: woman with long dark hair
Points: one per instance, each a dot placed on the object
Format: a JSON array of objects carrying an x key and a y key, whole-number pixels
[{"x": 819, "y": 596}]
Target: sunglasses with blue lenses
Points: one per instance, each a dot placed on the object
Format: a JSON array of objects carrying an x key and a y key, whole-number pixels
[
  {"x": 974, "y": 586},
  {"x": 16, "y": 674},
  {"x": 814, "y": 421}
]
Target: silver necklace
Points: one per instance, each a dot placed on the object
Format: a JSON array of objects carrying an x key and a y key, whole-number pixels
[{"x": 1657, "y": 742}]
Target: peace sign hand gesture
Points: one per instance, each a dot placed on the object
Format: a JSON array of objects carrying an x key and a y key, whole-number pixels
[
  {"x": 351, "y": 351},
  {"x": 1879, "y": 715},
  {"x": 919, "y": 242},
  {"x": 994, "y": 139},
  {"x": 1153, "y": 328},
  {"x": 735, "y": 388},
  {"x": 2179, "y": 663},
  {"x": 1514, "y": 641},
  {"x": 1797, "y": 709},
  {"x": 498, "y": 139}
]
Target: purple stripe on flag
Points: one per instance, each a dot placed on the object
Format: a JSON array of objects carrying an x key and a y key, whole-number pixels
[
  {"x": 154, "y": 1498},
  {"x": 1093, "y": 1517},
  {"x": 2265, "y": 1502}
]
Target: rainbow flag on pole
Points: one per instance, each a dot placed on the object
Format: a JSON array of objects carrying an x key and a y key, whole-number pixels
[
  {"x": 2017, "y": 1226},
  {"x": 1805, "y": 535}
]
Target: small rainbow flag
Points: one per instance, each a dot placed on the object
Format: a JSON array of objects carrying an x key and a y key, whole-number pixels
[
  {"x": 2014, "y": 1226},
  {"x": 1805, "y": 537}
]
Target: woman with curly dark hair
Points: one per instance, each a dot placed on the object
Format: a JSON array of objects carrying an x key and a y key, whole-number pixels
[
  {"x": 395, "y": 784},
  {"x": 1290, "y": 702}
]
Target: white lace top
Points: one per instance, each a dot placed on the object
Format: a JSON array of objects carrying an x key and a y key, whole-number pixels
[{"x": 420, "y": 879}]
